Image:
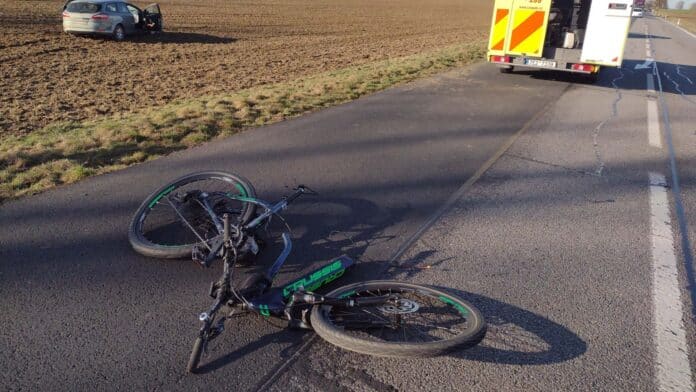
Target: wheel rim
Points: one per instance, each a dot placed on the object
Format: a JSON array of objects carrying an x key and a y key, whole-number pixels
[
  {"x": 415, "y": 316},
  {"x": 161, "y": 225},
  {"x": 119, "y": 33}
]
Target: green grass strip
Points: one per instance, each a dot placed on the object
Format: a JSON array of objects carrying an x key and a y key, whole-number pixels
[{"x": 66, "y": 152}]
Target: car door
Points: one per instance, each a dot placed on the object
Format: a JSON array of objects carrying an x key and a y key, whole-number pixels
[
  {"x": 129, "y": 21},
  {"x": 153, "y": 17}
]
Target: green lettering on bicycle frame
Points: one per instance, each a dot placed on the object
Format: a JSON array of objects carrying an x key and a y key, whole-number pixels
[
  {"x": 263, "y": 309},
  {"x": 160, "y": 196},
  {"x": 316, "y": 279},
  {"x": 459, "y": 307}
]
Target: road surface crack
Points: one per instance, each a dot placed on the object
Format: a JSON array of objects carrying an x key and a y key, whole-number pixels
[
  {"x": 678, "y": 87},
  {"x": 579, "y": 171},
  {"x": 595, "y": 135}
]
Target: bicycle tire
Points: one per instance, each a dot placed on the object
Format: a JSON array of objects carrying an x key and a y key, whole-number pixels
[
  {"x": 149, "y": 247},
  {"x": 328, "y": 327},
  {"x": 195, "y": 356}
]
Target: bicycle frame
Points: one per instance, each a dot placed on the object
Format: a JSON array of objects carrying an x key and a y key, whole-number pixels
[{"x": 276, "y": 302}]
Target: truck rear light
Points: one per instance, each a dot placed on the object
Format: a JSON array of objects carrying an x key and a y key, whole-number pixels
[
  {"x": 500, "y": 59},
  {"x": 582, "y": 67},
  {"x": 66, "y": 14},
  {"x": 100, "y": 17}
]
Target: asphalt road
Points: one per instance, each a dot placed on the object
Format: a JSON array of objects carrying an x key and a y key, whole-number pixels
[
  {"x": 553, "y": 242},
  {"x": 556, "y": 245}
]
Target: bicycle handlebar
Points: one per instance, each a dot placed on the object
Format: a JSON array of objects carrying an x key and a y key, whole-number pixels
[{"x": 279, "y": 206}]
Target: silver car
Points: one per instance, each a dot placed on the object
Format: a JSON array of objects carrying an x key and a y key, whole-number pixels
[{"x": 110, "y": 17}]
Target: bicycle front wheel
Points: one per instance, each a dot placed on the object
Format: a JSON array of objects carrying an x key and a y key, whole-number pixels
[
  {"x": 421, "y": 321},
  {"x": 157, "y": 228}
]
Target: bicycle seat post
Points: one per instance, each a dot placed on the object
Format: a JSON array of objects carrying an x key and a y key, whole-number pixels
[{"x": 226, "y": 228}]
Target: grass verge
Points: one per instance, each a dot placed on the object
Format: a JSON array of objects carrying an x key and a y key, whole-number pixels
[
  {"x": 683, "y": 18},
  {"x": 66, "y": 152}
]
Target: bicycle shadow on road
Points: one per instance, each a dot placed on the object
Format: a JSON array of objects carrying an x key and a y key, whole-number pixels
[
  {"x": 519, "y": 337},
  {"x": 515, "y": 336},
  {"x": 328, "y": 226},
  {"x": 283, "y": 337}
]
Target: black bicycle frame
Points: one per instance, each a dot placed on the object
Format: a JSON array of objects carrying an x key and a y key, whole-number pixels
[{"x": 275, "y": 301}]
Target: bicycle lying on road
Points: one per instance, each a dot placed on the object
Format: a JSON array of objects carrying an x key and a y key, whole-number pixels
[{"x": 210, "y": 215}]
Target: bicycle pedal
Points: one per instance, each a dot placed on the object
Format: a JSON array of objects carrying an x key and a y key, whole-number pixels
[
  {"x": 302, "y": 322},
  {"x": 298, "y": 324}
]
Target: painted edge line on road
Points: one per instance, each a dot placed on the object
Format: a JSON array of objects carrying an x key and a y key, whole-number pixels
[
  {"x": 672, "y": 368},
  {"x": 676, "y": 193},
  {"x": 654, "y": 137},
  {"x": 421, "y": 230}
]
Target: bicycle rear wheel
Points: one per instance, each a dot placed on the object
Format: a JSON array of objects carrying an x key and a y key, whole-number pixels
[
  {"x": 158, "y": 230},
  {"x": 421, "y": 322}
]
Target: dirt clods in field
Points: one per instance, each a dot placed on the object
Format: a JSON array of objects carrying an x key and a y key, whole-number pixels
[{"x": 208, "y": 47}]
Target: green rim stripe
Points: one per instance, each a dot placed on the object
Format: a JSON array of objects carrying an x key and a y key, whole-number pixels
[
  {"x": 459, "y": 307},
  {"x": 161, "y": 195},
  {"x": 241, "y": 198},
  {"x": 241, "y": 189},
  {"x": 347, "y": 294}
]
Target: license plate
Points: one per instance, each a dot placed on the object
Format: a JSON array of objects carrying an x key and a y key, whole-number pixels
[{"x": 540, "y": 63}]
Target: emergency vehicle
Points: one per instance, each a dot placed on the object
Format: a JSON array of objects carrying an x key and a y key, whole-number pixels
[{"x": 567, "y": 35}]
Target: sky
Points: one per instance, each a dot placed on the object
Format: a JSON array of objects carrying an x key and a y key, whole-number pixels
[{"x": 687, "y": 3}]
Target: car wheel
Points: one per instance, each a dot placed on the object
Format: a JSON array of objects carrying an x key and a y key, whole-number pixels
[{"x": 119, "y": 33}]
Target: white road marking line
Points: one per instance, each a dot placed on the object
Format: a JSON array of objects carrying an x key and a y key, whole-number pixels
[
  {"x": 654, "y": 136},
  {"x": 650, "y": 83},
  {"x": 672, "y": 363}
]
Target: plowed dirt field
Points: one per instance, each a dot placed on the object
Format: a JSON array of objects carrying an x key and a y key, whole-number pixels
[{"x": 209, "y": 47}]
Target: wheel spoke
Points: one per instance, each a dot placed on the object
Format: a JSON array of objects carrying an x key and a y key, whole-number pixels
[{"x": 419, "y": 317}]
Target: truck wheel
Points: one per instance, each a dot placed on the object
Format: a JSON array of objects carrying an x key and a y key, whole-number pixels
[{"x": 506, "y": 69}]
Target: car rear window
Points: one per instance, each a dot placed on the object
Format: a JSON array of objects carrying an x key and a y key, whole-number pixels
[{"x": 85, "y": 8}]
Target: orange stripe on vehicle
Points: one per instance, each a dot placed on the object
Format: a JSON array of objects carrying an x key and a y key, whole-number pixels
[
  {"x": 527, "y": 28},
  {"x": 500, "y": 13},
  {"x": 499, "y": 29}
]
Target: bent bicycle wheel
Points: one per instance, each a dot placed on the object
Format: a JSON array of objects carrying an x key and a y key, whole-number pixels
[
  {"x": 420, "y": 322},
  {"x": 172, "y": 219}
]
